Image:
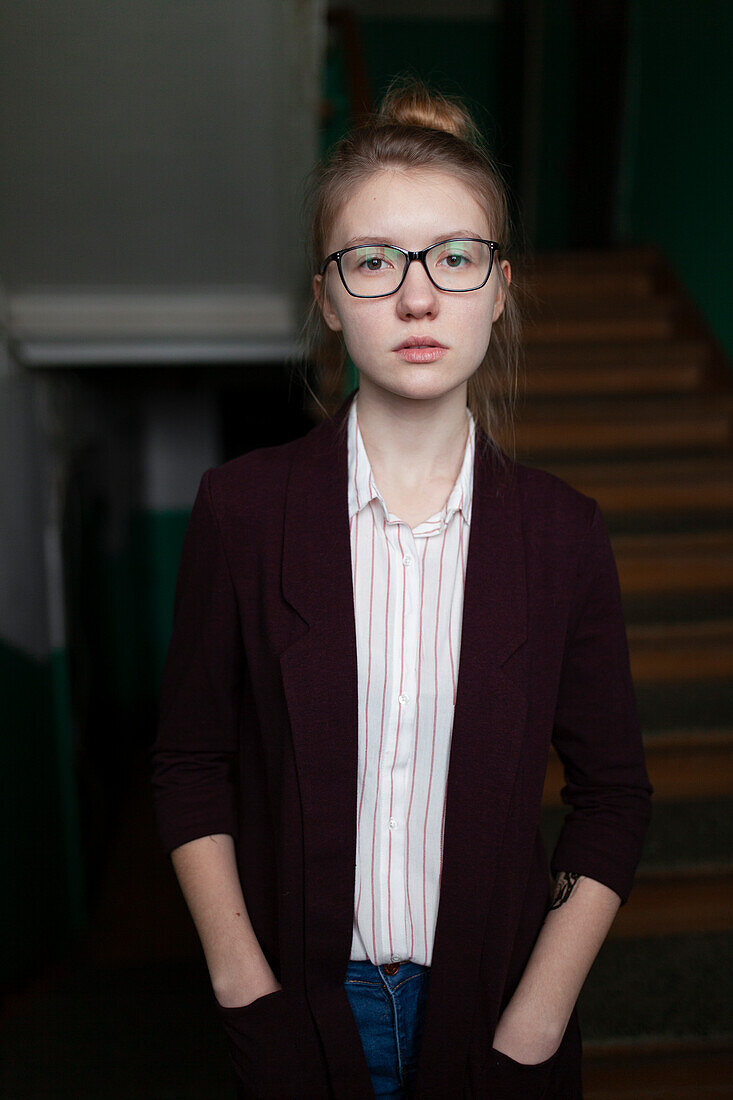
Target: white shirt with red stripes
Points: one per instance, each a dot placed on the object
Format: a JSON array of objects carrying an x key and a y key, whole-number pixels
[{"x": 408, "y": 604}]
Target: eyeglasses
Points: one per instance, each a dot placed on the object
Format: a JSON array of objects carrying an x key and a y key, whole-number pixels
[{"x": 459, "y": 264}]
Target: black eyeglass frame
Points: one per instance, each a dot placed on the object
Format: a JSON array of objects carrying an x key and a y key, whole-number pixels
[{"x": 493, "y": 245}]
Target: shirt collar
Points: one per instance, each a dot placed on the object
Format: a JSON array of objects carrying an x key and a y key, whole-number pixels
[{"x": 363, "y": 488}]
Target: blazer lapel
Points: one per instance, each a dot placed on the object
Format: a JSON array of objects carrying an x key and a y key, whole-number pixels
[
  {"x": 319, "y": 673},
  {"x": 320, "y": 681},
  {"x": 488, "y": 728}
]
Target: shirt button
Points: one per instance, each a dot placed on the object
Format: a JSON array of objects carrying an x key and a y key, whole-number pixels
[
  {"x": 395, "y": 958},
  {"x": 407, "y": 560},
  {"x": 404, "y": 698},
  {"x": 392, "y": 825}
]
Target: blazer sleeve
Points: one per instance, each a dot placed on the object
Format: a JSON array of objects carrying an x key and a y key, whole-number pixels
[
  {"x": 597, "y": 732},
  {"x": 195, "y": 750}
]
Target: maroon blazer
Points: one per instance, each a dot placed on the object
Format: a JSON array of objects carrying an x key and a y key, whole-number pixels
[{"x": 257, "y": 737}]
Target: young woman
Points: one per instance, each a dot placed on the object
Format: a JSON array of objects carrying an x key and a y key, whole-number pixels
[{"x": 379, "y": 630}]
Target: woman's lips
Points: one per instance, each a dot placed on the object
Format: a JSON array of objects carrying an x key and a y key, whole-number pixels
[{"x": 421, "y": 355}]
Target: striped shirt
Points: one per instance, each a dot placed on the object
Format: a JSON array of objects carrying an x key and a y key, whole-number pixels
[{"x": 408, "y": 605}]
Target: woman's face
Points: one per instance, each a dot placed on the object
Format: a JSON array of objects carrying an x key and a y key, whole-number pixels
[{"x": 412, "y": 209}]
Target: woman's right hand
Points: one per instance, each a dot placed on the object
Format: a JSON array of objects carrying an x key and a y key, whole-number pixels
[
  {"x": 241, "y": 994},
  {"x": 274, "y": 1048}
]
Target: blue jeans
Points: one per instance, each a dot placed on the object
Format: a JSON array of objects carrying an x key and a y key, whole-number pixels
[{"x": 388, "y": 1009}]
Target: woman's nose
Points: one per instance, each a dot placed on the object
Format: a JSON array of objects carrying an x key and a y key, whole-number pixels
[{"x": 417, "y": 295}]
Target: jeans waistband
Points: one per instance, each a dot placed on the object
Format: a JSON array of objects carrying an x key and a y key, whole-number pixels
[{"x": 365, "y": 969}]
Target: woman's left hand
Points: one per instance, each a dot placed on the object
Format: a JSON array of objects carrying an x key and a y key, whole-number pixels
[{"x": 525, "y": 1040}]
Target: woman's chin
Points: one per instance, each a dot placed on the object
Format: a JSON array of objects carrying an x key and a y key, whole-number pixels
[{"x": 418, "y": 383}]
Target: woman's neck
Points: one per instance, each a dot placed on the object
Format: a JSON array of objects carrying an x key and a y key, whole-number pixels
[{"x": 411, "y": 442}]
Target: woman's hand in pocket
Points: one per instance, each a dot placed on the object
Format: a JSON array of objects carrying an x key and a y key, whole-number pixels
[
  {"x": 524, "y": 1040},
  {"x": 237, "y": 996},
  {"x": 522, "y": 1059},
  {"x": 274, "y": 1048}
]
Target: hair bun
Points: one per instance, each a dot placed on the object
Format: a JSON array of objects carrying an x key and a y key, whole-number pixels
[{"x": 409, "y": 101}]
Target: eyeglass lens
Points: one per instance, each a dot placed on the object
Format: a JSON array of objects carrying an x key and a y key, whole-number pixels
[{"x": 371, "y": 270}]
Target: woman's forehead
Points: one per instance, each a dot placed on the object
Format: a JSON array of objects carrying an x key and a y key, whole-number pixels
[{"x": 410, "y": 204}]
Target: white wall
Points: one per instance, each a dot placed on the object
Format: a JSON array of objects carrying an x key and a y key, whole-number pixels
[
  {"x": 146, "y": 145},
  {"x": 155, "y": 142},
  {"x": 427, "y": 9},
  {"x": 24, "y": 613}
]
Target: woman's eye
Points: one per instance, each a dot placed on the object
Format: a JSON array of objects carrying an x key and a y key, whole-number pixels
[
  {"x": 371, "y": 263},
  {"x": 454, "y": 259}
]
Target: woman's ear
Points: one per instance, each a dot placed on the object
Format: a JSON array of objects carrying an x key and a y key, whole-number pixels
[
  {"x": 321, "y": 295},
  {"x": 502, "y": 284}
]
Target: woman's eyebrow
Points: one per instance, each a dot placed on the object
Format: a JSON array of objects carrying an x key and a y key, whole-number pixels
[{"x": 376, "y": 238}]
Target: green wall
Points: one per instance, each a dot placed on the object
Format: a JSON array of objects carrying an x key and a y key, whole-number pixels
[
  {"x": 65, "y": 768},
  {"x": 679, "y": 146},
  {"x": 41, "y": 897},
  {"x": 675, "y": 176},
  {"x": 455, "y": 56},
  {"x": 159, "y": 537},
  {"x": 558, "y": 76}
]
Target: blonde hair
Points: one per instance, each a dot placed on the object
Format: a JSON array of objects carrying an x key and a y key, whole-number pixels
[{"x": 415, "y": 127}]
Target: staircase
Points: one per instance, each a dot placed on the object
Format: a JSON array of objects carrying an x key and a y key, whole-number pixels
[{"x": 629, "y": 399}]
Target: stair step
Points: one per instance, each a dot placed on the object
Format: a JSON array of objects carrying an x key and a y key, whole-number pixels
[
  {"x": 668, "y": 902},
  {"x": 685, "y": 837},
  {"x": 583, "y": 319},
  {"x": 631, "y": 353},
  {"x": 590, "y": 261},
  {"x": 681, "y": 651},
  {"x": 604, "y": 284},
  {"x": 689, "y": 764},
  {"x": 656, "y": 1069},
  {"x": 696, "y": 561},
  {"x": 623, "y": 424},
  {"x": 661, "y": 366},
  {"x": 661, "y": 987},
  {"x": 617, "y": 405},
  {"x": 688, "y": 833},
  {"x": 654, "y": 486},
  {"x": 615, "y": 378},
  {"x": 671, "y": 607},
  {"x": 682, "y": 764},
  {"x": 684, "y": 703}
]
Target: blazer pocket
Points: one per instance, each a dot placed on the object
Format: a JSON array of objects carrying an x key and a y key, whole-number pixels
[
  {"x": 527, "y": 1081},
  {"x": 248, "y": 1011},
  {"x": 511, "y": 1079},
  {"x": 501, "y": 1057},
  {"x": 274, "y": 1048}
]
